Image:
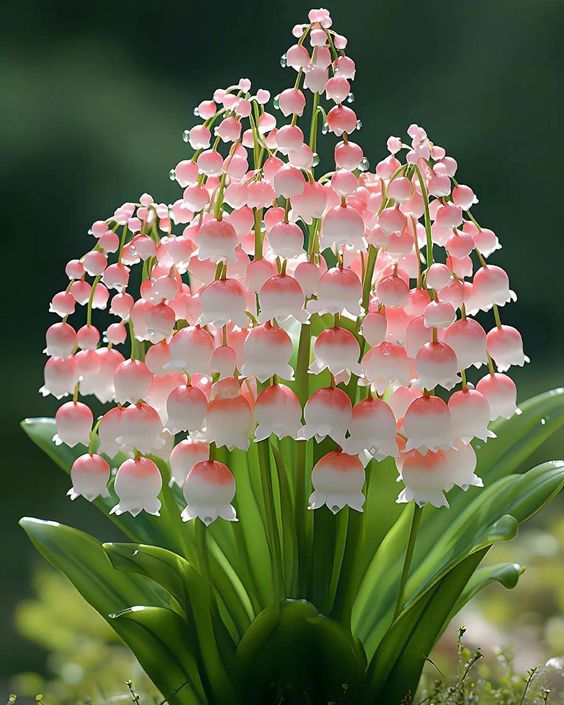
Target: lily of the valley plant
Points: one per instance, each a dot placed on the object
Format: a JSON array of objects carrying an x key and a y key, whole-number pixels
[{"x": 282, "y": 347}]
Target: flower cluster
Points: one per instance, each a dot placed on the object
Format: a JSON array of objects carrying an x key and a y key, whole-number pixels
[{"x": 270, "y": 302}]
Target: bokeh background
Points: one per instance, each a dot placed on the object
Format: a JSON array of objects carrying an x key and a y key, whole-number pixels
[{"x": 94, "y": 99}]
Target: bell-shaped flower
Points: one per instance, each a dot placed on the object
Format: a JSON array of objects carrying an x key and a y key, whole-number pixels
[
  {"x": 140, "y": 429},
  {"x": 490, "y": 286},
  {"x": 337, "y": 479},
  {"x": 468, "y": 340},
  {"x": 191, "y": 350},
  {"x": 109, "y": 431},
  {"x": 223, "y": 301},
  {"x": 373, "y": 428},
  {"x": 281, "y": 297},
  {"x": 342, "y": 225},
  {"x": 427, "y": 424},
  {"x": 426, "y": 477},
  {"x": 229, "y": 416},
  {"x": 337, "y": 350},
  {"x": 224, "y": 361},
  {"x": 90, "y": 474},
  {"x": 60, "y": 377},
  {"x": 132, "y": 381},
  {"x": 328, "y": 412},
  {"x": 217, "y": 241},
  {"x": 267, "y": 351},
  {"x": 74, "y": 423},
  {"x": 439, "y": 314},
  {"x": 209, "y": 490},
  {"x": 462, "y": 464},
  {"x": 436, "y": 364},
  {"x": 286, "y": 240},
  {"x": 60, "y": 339},
  {"x": 393, "y": 290},
  {"x": 339, "y": 290},
  {"x": 505, "y": 345},
  {"x": 374, "y": 327},
  {"x": 501, "y": 393},
  {"x": 137, "y": 485},
  {"x": 186, "y": 408},
  {"x": 386, "y": 364},
  {"x": 278, "y": 411},
  {"x": 470, "y": 415},
  {"x": 184, "y": 456}
]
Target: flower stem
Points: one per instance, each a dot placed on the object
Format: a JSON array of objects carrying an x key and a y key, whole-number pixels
[{"x": 415, "y": 522}]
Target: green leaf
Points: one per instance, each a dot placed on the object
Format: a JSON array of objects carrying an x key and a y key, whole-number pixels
[
  {"x": 492, "y": 516},
  {"x": 396, "y": 667},
  {"x": 291, "y": 648},
  {"x": 183, "y": 582},
  {"x": 144, "y": 528},
  {"x": 166, "y": 650},
  {"x": 506, "y": 574},
  {"x": 83, "y": 560}
]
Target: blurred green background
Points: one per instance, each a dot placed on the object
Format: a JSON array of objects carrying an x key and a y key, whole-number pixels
[{"x": 95, "y": 97}]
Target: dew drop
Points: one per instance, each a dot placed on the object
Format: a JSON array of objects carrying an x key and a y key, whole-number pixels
[
  {"x": 196, "y": 111},
  {"x": 358, "y": 124},
  {"x": 172, "y": 175},
  {"x": 324, "y": 128},
  {"x": 543, "y": 422},
  {"x": 315, "y": 161},
  {"x": 350, "y": 98},
  {"x": 364, "y": 164},
  {"x": 283, "y": 61},
  {"x": 186, "y": 135},
  {"x": 276, "y": 102}
]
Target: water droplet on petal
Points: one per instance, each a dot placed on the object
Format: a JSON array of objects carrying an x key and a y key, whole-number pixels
[
  {"x": 350, "y": 98},
  {"x": 364, "y": 164},
  {"x": 172, "y": 175},
  {"x": 358, "y": 124},
  {"x": 196, "y": 111},
  {"x": 315, "y": 160},
  {"x": 186, "y": 135},
  {"x": 283, "y": 61},
  {"x": 276, "y": 102}
]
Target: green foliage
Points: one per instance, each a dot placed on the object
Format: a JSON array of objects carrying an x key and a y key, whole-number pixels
[{"x": 306, "y": 601}]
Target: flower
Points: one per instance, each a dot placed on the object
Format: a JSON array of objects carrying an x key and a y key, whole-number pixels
[
  {"x": 251, "y": 300},
  {"x": 137, "y": 485},
  {"x": 208, "y": 491},
  {"x": 337, "y": 479}
]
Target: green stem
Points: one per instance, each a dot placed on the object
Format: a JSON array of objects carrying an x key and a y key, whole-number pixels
[
  {"x": 367, "y": 282},
  {"x": 429, "y": 238},
  {"x": 272, "y": 518},
  {"x": 415, "y": 522},
  {"x": 302, "y": 390}
]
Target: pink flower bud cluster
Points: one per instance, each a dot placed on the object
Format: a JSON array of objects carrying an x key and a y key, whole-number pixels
[{"x": 200, "y": 349}]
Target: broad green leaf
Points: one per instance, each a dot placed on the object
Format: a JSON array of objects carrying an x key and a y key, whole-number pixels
[
  {"x": 506, "y": 574},
  {"x": 396, "y": 667},
  {"x": 491, "y": 517},
  {"x": 165, "y": 648},
  {"x": 291, "y": 648},
  {"x": 183, "y": 582},
  {"x": 144, "y": 528},
  {"x": 83, "y": 560}
]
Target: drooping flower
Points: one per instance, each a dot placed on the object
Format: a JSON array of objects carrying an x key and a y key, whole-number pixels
[
  {"x": 89, "y": 474},
  {"x": 209, "y": 490},
  {"x": 137, "y": 485},
  {"x": 337, "y": 480}
]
